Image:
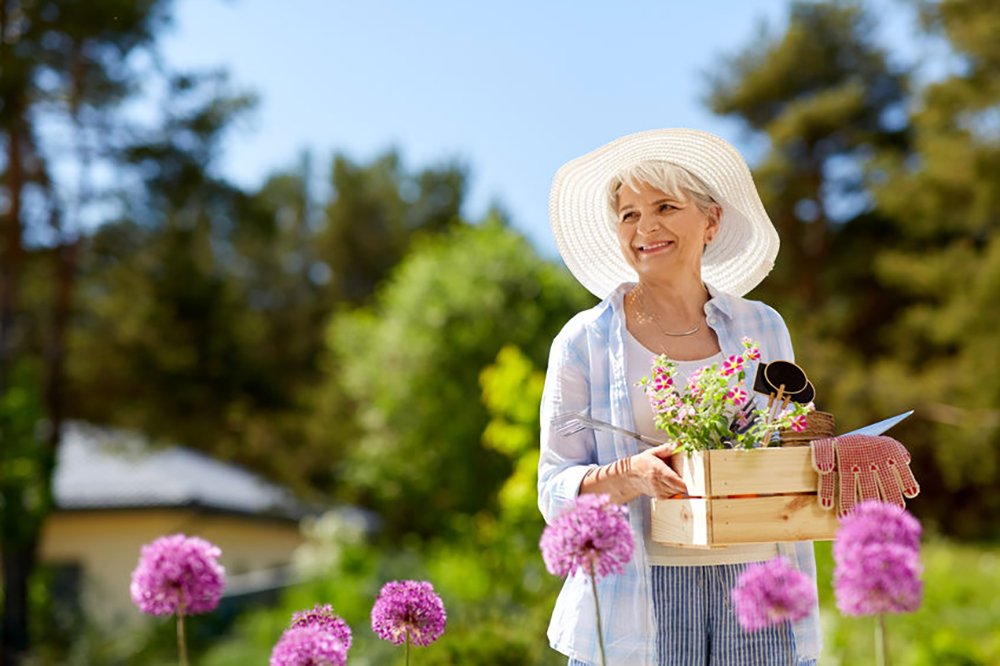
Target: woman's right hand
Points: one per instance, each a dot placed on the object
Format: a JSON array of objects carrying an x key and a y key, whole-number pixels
[
  {"x": 646, "y": 473},
  {"x": 652, "y": 474}
]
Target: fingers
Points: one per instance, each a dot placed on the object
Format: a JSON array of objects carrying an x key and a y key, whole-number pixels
[
  {"x": 890, "y": 486},
  {"x": 823, "y": 463},
  {"x": 655, "y": 477},
  {"x": 868, "y": 481},
  {"x": 822, "y": 455},
  {"x": 848, "y": 489},
  {"x": 901, "y": 467},
  {"x": 664, "y": 450},
  {"x": 669, "y": 483},
  {"x": 827, "y": 487}
]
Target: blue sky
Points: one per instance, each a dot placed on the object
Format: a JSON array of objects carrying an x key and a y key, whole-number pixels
[{"x": 513, "y": 90}]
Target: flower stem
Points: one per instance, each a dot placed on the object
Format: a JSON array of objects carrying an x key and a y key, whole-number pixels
[
  {"x": 407, "y": 648},
  {"x": 597, "y": 609},
  {"x": 881, "y": 642},
  {"x": 181, "y": 642}
]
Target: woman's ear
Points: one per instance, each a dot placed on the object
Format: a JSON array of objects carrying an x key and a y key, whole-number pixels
[{"x": 712, "y": 228}]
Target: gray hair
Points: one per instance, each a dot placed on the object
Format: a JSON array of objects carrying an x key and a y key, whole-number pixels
[{"x": 669, "y": 178}]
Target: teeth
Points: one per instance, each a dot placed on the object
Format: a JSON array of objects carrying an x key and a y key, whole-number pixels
[{"x": 655, "y": 245}]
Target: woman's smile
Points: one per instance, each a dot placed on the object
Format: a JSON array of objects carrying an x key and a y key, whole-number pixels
[{"x": 655, "y": 246}]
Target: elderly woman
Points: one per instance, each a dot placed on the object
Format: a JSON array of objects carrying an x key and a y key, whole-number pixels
[{"x": 667, "y": 228}]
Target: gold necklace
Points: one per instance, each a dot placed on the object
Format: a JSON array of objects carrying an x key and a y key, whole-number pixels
[{"x": 656, "y": 320}]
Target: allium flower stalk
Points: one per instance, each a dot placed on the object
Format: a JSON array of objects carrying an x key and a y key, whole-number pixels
[
  {"x": 770, "y": 593},
  {"x": 178, "y": 575},
  {"x": 309, "y": 645},
  {"x": 877, "y": 564},
  {"x": 408, "y": 612},
  {"x": 593, "y": 537}
]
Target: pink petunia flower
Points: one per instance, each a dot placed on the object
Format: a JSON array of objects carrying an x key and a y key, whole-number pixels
[
  {"x": 799, "y": 423},
  {"x": 732, "y": 365},
  {"x": 683, "y": 414},
  {"x": 737, "y": 395}
]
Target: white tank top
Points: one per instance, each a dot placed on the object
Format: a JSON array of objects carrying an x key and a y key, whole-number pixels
[{"x": 638, "y": 365}]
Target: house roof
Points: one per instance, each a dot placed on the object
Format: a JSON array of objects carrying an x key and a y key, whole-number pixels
[{"x": 105, "y": 468}]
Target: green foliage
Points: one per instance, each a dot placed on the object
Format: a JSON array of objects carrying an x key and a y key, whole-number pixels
[
  {"x": 377, "y": 209},
  {"x": 888, "y": 273},
  {"x": 490, "y": 577},
  {"x": 958, "y": 622},
  {"x": 512, "y": 393},
  {"x": 411, "y": 362},
  {"x": 25, "y": 459}
]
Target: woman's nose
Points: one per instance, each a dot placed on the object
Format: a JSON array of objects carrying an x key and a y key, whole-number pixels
[{"x": 648, "y": 224}]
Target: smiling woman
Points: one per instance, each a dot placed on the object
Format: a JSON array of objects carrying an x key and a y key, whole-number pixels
[{"x": 667, "y": 227}]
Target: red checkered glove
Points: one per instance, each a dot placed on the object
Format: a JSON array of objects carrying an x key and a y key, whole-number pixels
[{"x": 868, "y": 468}]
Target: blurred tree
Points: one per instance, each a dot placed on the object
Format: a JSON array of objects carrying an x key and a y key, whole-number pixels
[
  {"x": 204, "y": 309},
  {"x": 825, "y": 97},
  {"x": 62, "y": 64},
  {"x": 944, "y": 202},
  {"x": 373, "y": 215},
  {"x": 410, "y": 362},
  {"x": 886, "y": 203},
  {"x": 826, "y": 100}
]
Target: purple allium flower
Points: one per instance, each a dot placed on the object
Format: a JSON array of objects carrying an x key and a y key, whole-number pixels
[
  {"x": 874, "y": 522},
  {"x": 770, "y": 593},
  {"x": 880, "y": 578},
  {"x": 594, "y": 532},
  {"x": 324, "y": 618},
  {"x": 308, "y": 646},
  {"x": 411, "y": 608},
  {"x": 178, "y": 574},
  {"x": 877, "y": 558}
]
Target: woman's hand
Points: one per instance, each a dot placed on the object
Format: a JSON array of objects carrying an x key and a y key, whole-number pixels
[
  {"x": 646, "y": 473},
  {"x": 653, "y": 475}
]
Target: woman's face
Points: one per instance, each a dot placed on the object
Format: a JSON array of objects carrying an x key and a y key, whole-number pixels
[{"x": 661, "y": 235}]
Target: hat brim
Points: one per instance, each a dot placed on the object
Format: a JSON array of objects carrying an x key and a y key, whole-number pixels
[{"x": 743, "y": 251}]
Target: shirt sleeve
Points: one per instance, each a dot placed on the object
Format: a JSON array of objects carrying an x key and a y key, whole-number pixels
[
  {"x": 782, "y": 340},
  {"x": 565, "y": 458}
]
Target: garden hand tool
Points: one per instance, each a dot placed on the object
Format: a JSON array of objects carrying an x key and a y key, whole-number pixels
[{"x": 867, "y": 467}]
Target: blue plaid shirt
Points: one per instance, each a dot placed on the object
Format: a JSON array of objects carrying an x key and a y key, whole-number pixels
[{"x": 586, "y": 374}]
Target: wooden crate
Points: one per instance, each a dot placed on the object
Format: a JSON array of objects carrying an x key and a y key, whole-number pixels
[{"x": 719, "y": 513}]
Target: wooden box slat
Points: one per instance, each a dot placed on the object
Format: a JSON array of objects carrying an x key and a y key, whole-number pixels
[
  {"x": 784, "y": 508},
  {"x": 736, "y": 472}
]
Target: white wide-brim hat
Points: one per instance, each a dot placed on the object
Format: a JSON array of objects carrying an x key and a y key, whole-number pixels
[{"x": 739, "y": 257}]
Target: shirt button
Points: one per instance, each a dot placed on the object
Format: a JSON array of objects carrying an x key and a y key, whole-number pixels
[{"x": 711, "y": 321}]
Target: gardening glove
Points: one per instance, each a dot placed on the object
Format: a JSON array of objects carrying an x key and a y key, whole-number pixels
[{"x": 867, "y": 467}]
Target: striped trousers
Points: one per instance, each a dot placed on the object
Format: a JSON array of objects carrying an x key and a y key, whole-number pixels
[{"x": 696, "y": 624}]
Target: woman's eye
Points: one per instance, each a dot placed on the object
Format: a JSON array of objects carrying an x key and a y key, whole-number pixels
[
  {"x": 627, "y": 216},
  {"x": 665, "y": 207}
]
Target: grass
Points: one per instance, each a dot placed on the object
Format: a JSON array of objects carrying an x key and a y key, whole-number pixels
[{"x": 957, "y": 624}]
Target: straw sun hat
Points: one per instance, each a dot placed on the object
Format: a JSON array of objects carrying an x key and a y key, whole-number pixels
[{"x": 743, "y": 251}]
